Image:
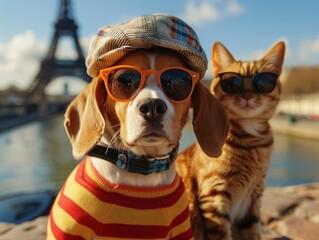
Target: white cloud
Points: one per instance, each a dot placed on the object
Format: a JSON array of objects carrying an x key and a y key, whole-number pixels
[
  {"x": 309, "y": 49},
  {"x": 233, "y": 7},
  {"x": 20, "y": 60},
  {"x": 199, "y": 12}
]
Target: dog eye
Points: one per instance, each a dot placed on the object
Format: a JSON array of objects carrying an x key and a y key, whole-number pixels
[
  {"x": 166, "y": 82},
  {"x": 176, "y": 83},
  {"x": 124, "y": 83},
  {"x": 124, "y": 79}
]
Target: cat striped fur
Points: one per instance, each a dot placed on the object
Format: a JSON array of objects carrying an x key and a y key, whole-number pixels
[{"x": 225, "y": 192}]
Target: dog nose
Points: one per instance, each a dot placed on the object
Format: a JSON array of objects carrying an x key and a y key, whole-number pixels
[{"x": 152, "y": 109}]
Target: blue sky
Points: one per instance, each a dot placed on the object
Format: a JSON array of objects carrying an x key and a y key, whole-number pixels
[{"x": 247, "y": 29}]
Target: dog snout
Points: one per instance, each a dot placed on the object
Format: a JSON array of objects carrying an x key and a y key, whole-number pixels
[{"x": 152, "y": 109}]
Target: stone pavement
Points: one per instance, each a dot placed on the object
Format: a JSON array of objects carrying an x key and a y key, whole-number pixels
[
  {"x": 33, "y": 230},
  {"x": 291, "y": 212},
  {"x": 287, "y": 213}
]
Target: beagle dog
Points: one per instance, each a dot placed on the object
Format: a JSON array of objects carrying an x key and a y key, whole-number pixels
[{"x": 127, "y": 123}]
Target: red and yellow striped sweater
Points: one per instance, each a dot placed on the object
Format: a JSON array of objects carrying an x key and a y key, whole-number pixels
[{"x": 90, "y": 207}]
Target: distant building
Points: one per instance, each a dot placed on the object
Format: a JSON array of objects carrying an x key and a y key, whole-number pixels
[
  {"x": 300, "y": 91},
  {"x": 304, "y": 105}
]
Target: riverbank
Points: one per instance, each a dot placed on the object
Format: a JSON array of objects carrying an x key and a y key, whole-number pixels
[
  {"x": 7, "y": 123},
  {"x": 287, "y": 213},
  {"x": 15, "y": 115}
]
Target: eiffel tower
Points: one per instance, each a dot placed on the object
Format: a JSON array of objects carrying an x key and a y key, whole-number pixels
[{"x": 51, "y": 67}]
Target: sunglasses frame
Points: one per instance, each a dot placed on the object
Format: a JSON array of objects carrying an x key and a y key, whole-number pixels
[
  {"x": 252, "y": 78},
  {"x": 104, "y": 74}
]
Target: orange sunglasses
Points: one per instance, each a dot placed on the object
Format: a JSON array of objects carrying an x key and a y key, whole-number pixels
[{"x": 124, "y": 82}]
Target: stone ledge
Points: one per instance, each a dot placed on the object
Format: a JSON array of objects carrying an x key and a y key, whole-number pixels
[
  {"x": 32, "y": 230},
  {"x": 288, "y": 213},
  {"x": 291, "y": 212}
]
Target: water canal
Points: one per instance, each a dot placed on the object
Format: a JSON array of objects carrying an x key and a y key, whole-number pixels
[{"x": 37, "y": 156}]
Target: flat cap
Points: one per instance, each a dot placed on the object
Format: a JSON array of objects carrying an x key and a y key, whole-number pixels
[{"x": 111, "y": 43}]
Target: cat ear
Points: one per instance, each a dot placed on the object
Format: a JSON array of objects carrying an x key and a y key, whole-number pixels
[
  {"x": 220, "y": 57},
  {"x": 274, "y": 57}
]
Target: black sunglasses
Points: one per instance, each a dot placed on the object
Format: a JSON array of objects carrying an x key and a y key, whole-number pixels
[
  {"x": 124, "y": 82},
  {"x": 233, "y": 83}
]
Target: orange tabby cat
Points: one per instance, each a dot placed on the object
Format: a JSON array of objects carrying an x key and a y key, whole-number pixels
[{"x": 225, "y": 192}]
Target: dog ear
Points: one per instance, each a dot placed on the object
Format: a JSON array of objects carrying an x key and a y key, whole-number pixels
[
  {"x": 210, "y": 121},
  {"x": 84, "y": 121}
]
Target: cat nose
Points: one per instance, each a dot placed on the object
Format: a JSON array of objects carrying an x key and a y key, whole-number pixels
[
  {"x": 247, "y": 95},
  {"x": 152, "y": 109}
]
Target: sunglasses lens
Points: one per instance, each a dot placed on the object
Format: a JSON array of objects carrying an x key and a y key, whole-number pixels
[
  {"x": 231, "y": 83},
  {"x": 177, "y": 84},
  {"x": 264, "y": 82},
  {"x": 123, "y": 83}
]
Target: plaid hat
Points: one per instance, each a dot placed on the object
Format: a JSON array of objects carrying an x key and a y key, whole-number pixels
[{"x": 157, "y": 30}]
